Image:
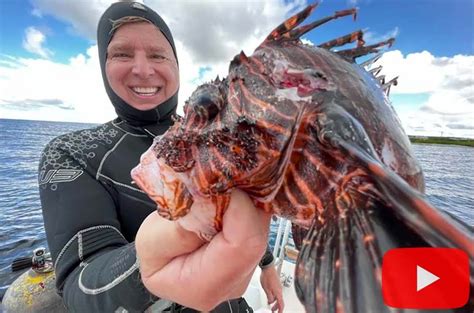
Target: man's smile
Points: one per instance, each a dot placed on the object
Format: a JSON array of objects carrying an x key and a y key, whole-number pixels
[{"x": 145, "y": 91}]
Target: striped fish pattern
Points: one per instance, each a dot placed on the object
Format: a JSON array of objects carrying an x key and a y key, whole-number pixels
[{"x": 311, "y": 136}]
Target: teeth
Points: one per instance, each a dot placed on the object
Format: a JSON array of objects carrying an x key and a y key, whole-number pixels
[{"x": 145, "y": 90}]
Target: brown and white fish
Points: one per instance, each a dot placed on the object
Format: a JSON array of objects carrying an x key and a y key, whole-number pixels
[{"x": 311, "y": 136}]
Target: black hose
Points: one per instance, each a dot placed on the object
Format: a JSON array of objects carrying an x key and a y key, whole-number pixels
[{"x": 21, "y": 263}]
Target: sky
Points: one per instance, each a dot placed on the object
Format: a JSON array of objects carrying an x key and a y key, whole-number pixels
[{"x": 49, "y": 67}]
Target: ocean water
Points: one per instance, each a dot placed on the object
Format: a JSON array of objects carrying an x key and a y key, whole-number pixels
[{"x": 449, "y": 173}]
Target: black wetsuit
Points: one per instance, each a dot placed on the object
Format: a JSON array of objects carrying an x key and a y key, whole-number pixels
[{"x": 92, "y": 212}]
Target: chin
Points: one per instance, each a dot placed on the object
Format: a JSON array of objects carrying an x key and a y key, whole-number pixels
[{"x": 145, "y": 107}]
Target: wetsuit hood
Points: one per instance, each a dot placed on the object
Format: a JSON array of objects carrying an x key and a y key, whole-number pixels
[{"x": 125, "y": 111}]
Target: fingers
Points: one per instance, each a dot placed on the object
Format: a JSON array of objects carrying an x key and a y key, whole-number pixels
[
  {"x": 159, "y": 240},
  {"x": 275, "y": 307},
  {"x": 273, "y": 289},
  {"x": 270, "y": 297},
  {"x": 275, "y": 301},
  {"x": 280, "y": 304}
]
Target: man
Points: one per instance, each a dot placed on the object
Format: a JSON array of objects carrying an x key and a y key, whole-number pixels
[{"x": 92, "y": 210}]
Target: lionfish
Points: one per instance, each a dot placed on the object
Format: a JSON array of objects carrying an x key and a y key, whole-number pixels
[{"x": 311, "y": 136}]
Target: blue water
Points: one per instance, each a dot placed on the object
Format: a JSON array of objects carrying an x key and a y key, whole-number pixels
[{"x": 449, "y": 172}]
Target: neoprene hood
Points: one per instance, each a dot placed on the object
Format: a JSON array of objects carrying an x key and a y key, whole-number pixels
[{"x": 104, "y": 36}]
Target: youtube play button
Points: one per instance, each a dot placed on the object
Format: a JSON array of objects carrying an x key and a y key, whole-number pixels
[{"x": 425, "y": 278}]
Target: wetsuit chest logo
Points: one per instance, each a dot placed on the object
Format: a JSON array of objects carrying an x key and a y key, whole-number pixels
[{"x": 59, "y": 176}]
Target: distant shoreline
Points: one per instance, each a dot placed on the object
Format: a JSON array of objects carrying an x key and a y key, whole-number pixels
[
  {"x": 442, "y": 140},
  {"x": 467, "y": 142}
]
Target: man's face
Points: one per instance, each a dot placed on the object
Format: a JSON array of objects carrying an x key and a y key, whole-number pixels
[{"x": 141, "y": 67}]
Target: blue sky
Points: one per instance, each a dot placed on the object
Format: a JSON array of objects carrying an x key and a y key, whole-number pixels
[{"x": 41, "y": 40}]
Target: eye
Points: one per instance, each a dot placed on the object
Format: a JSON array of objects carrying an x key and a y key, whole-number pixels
[
  {"x": 158, "y": 57},
  {"x": 119, "y": 55},
  {"x": 206, "y": 107}
]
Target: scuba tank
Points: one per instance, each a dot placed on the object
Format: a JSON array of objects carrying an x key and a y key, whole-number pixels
[{"x": 35, "y": 289}]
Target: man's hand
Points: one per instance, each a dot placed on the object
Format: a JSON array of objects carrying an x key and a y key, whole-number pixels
[
  {"x": 205, "y": 275},
  {"x": 272, "y": 286}
]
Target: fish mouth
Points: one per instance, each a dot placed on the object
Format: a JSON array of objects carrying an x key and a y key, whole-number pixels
[
  {"x": 306, "y": 82},
  {"x": 167, "y": 188}
]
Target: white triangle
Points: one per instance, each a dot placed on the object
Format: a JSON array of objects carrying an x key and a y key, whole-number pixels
[{"x": 424, "y": 278}]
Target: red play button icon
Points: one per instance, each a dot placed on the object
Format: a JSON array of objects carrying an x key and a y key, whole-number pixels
[{"x": 425, "y": 278}]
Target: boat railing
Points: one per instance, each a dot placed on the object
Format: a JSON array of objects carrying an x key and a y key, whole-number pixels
[{"x": 282, "y": 250}]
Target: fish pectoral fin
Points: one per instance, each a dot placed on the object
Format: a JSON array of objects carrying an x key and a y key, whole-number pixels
[
  {"x": 344, "y": 133},
  {"x": 438, "y": 229},
  {"x": 339, "y": 266}
]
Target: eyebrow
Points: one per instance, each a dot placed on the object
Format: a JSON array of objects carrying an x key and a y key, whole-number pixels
[
  {"x": 119, "y": 47},
  {"x": 127, "y": 46}
]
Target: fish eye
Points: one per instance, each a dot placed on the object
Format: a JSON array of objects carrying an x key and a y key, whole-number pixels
[{"x": 206, "y": 107}]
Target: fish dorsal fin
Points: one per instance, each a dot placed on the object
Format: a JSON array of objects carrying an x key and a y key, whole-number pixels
[
  {"x": 386, "y": 86},
  {"x": 300, "y": 31},
  {"x": 354, "y": 36},
  {"x": 381, "y": 79},
  {"x": 371, "y": 61},
  {"x": 239, "y": 59},
  {"x": 352, "y": 54},
  {"x": 288, "y": 25},
  {"x": 376, "y": 70},
  {"x": 288, "y": 30}
]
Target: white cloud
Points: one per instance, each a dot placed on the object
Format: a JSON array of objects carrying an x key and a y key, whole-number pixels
[
  {"x": 34, "y": 41},
  {"x": 47, "y": 90},
  {"x": 82, "y": 15},
  {"x": 449, "y": 82},
  {"x": 307, "y": 41}
]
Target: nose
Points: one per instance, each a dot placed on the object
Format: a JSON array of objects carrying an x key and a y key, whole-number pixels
[{"x": 142, "y": 67}]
